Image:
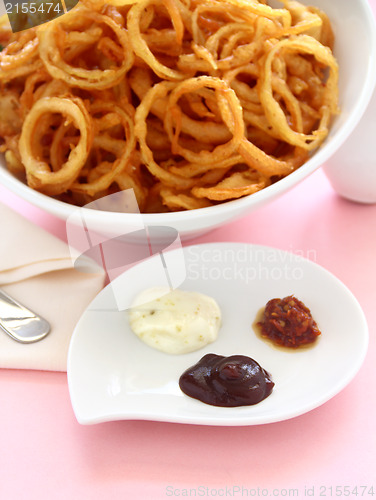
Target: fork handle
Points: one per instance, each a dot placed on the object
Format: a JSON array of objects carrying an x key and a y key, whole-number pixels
[{"x": 19, "y": 322}]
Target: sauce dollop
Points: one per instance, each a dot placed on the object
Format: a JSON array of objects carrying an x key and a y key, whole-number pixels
[
  {"x": 288, "y": 322},
  {"x": 227, "y": 381},
  {"x": 175, "y": 321}
]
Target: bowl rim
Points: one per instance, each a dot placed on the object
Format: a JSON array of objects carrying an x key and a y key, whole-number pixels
[{"x": 63, "y": 210}]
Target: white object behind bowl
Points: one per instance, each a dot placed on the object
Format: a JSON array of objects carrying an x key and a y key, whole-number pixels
[{"x": 352, "y": 169}]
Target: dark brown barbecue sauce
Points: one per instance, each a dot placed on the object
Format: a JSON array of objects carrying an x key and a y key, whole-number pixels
[
  {"x": 227, "y": 381},
  {"x": 288, "y": 322}
]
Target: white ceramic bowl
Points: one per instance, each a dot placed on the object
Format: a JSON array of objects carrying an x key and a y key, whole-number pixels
[{"x": 355, "y": 50}]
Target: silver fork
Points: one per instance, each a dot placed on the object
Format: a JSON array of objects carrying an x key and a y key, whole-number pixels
[{"x": 19, "y": 322}]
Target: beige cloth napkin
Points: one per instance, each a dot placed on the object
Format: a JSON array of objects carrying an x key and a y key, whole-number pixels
[{"x": 36, "y": 269}]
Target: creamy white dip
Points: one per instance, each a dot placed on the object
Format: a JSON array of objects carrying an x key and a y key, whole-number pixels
[{"x": 175, "y": 321}]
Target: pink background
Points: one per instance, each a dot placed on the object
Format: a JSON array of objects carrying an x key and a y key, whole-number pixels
[{"x": 46, "y": 454}]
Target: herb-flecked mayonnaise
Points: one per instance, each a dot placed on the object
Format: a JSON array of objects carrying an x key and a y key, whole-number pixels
[{"x": 175, "y": 321}]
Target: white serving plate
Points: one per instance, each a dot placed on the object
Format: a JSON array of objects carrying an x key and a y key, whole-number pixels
[{"x": 113, "y": 375}]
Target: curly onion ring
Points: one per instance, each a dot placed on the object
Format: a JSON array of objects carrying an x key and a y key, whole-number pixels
[
  {"x": 38, "y": 172},
  {"x": 159, "y": 91},
  {"x": 20, "y": 51},
  {"x": 273, "y": 110},
  {"x": 139, "y": 44},
  {"x": 236, "y": 185},
  {"x": 281, "y": 16},
  {"x": 20, "y": 56},
  {"x": 233, "y": 120},
  {"x": 213, "y": 133},
  {"x": 98, "y": 79},
  {"x": 182, "y": 200},
  {"x": 125, "y": 152}
]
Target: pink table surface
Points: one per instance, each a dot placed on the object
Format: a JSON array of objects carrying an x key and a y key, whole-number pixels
[{"x": 46, "y": 454}]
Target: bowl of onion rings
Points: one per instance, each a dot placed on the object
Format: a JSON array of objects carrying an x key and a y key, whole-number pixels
[{"x": 204, "y": 109}]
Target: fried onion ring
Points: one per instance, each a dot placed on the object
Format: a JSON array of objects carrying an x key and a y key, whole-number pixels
[
  {"x": 52, "y": 50},
  {"x": 39, "y": 173}
]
